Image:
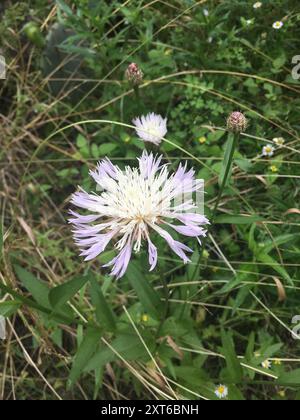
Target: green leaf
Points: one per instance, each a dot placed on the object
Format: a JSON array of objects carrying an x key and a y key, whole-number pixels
[
  {"x": 40, "y": 293},
  {"x": 106, "y": 148},
  {"x": 279, "y": 62},
  {"x": 251, "y": 239},
  {"x": 9, "y": 307},
  {"x": 250, "y": 346},
  {"x": 290, "y": 378},
  {"x": 269, "y": 261},
  {"x": 235, "y": 219},
  {"x": 37, "y": 288},
  {"x": 104, "y": 314},
  {"x": 146, "y": 294},
  {"x": 227, "y": 162},
  {"x": 279, "y": 240},
  {"x": 1, "y": 239},
  {"x": 231, "y": 284},
  {"x": 63, "y": 6},
  {"x": 85, "y": 352},
  {"x": 197, "y": 380},
  {"x": 235, "y": 394},
  {"x": 128, "y": 345},
  {"x": 234, "y": 369},
  {"x": 244, "y": 164},
  {"x": 215, "y": 136},
  {"x": 81, "y": 141},
  {"x": 61, "y": 294}
]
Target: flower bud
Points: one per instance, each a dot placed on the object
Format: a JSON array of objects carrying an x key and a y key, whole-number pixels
[
  {"x": 134, "y": 74},
  {"x": 33, "y": 33},
  {"x": 237, "y": 122}
]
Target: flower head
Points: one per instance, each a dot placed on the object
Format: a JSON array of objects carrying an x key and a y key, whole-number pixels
[
  {"x": 274, "y": 169},
  {"x": 145, "y": 318},
  {"x": 134, "y": 74},
  {"x": 237, "y": 122},
  {"x": 202, "y": 139},
  {"x": 268, "y": 150},
  {"x": 221, "y": 391},
  {"x": 257, "y": 5},
  {"x": 206, "y": 12},
  {"x": 266, "y": 364},
  {"x": 135, "y": 203},
  {"x": 278, "y": 25},
  {"x": 151, "y": 128},
  {"x": 279, "y": 141}
]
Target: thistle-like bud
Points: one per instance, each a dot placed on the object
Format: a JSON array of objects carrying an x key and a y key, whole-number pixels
[
  {"x": 237, "y": 122},
  {"x": 134, "y": 74}
]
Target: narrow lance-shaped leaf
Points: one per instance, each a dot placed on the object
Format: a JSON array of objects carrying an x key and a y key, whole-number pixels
[
  {"x": 9, "y": 307},
  {"x": 37, "y": 288},
  {"x": 64, "y": 292},
  {"x": 85, "y": 352},
  {"x": 1, "y": 239},
  {"x": 234, "y": 368},
  {"x": 40, "y": 293},
  {"x": 146, "y": 294},
  {"x": 227, "y": 164},
  {"x": 104, "y": 314},
  {"x": 268, "y": 260},
  {"x": 235, "y": 219}
]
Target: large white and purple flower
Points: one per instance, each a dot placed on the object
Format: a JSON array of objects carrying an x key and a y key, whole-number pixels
[{"x": 132, "y": 205}]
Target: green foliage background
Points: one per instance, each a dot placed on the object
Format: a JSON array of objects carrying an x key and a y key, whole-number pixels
[{"x": 75, "y": 333}]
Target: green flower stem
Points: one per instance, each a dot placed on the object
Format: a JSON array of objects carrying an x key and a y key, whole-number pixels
[
  {"x": 236, "y": 137},
  {"x": 227, "y": 172},
  {"x": 139, "y": 102}
]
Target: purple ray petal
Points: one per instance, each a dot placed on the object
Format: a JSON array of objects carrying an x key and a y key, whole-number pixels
[
  {"x": 189, "y": 230},
  {"x": 105, "y": 169},
  {"x": 176, "y": 246},
  {"x": 188, "y": 218},
  {"x": 152, "y": 255},
  {"x": 98, "y": 242},
  {"x": 79, "y": 219},
  {"x": 149, "y": 164},
  {"x": 120, "y": 262},
  {"x": 87, "y": 201}
]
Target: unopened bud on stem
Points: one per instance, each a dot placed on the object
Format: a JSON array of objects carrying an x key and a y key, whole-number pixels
[
  {"x": 134, "y": 74},
  {"x": 237, "y": 122}
]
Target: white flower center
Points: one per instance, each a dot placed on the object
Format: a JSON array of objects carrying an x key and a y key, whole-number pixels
[
  {"x": 153, "y": 130},
  {"x": 136, "y": 201}
]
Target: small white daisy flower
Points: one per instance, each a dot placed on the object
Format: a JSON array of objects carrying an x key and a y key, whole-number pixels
[
  {"x": 278, "y": 25},
  {"x": 266, "y": 364},
  {"x": 279, "y": 141},
  {"x": 151, "y": 128},
  {"x": 205, "y": 12},
  {"x": 221, "y": 391},
  {"x": 268, "y": 150},
  {"x": 257, "y": 5}
]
